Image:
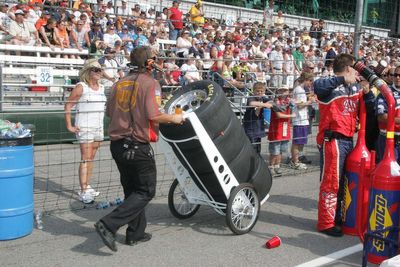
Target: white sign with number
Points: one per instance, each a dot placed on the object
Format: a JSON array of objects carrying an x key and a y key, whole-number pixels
[
  {"x": 44, "y": 75},
  {"x": 230, "y": 19}
]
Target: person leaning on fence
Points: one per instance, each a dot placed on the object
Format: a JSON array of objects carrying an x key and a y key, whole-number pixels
[
  {"x": 301, "y": 121},
  {"x": 89, "y": 99},
  {"x": 338, "y": 99},
  {"x": 253, "y": 119},
  {"x": 279, "y": 129},
  {"x": 134, "y": 112}
]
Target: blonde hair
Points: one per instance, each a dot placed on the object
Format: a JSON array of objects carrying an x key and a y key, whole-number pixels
[
  {"x": 84, "y": 73},
  {"x": 84, "y": 76}
]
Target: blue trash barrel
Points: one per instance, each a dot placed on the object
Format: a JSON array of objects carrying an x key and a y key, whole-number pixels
[{"x": 16, "y": 187}]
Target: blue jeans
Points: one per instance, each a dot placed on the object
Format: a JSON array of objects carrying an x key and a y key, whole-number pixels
[
  {"x": 173, "y": 34},
  {"x": 380, "y": 149}
]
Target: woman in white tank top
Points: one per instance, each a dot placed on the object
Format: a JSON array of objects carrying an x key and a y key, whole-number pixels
[{"x": 89, "y": 100}]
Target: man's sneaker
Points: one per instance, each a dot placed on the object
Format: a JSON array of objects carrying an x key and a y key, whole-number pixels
[
  {"x": 288, "y": 160},
  {"x": 106, "y": 235},
  {"x": 271, "y": 169},
  {"x": 90, "y": 190},
  {"x": 131, "y": 242},
  {"x": 304, "y": 160},
  {"x": 298, "y": 166},
  {"x": 85, "y": 197}
]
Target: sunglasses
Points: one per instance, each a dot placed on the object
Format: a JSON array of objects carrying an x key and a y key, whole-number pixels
[
  {"x": 96, "y": 70},
  {"x": 397, "y": 75}
]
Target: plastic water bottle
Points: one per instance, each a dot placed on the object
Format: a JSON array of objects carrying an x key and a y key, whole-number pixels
[
  {"x": 116, "y": 202},
  {"x": 67, "y": 82},
  {"x": 38, "y": 220},
  {"x": 103, "y": 205}
]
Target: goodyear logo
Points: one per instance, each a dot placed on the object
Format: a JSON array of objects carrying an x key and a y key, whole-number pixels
[
  {"x": 210, "y": 91},
  {"x": 380, "y": 219}
]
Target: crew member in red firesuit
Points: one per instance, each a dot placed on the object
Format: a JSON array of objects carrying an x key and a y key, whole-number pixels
[{"x": 338, "y": 98}]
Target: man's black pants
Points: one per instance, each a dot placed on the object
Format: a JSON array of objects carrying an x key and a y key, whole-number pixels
[{"x": 138, "y": 179}]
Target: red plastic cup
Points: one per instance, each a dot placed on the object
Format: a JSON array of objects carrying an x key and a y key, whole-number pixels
[{"x": 273, "y": 242}]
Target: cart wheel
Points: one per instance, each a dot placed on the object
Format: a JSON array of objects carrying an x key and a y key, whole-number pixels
[
  {"x": 178, "y": 203},
  {"x": 242, "y": 209}
]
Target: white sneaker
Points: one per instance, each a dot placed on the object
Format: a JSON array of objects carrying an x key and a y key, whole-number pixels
[
  {"x": 90, "y": 190},
  {"x": 298, "y": 166},
  {"x": 85, "y": 197}
]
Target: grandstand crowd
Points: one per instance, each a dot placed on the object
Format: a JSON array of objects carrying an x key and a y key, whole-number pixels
[{"x": 276, "y": 53}]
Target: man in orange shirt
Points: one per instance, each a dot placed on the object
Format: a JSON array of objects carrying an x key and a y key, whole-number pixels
[{"x": 43, "y": 20}]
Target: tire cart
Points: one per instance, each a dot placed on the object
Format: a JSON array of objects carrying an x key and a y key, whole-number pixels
[{"x": 212, "y": 159}]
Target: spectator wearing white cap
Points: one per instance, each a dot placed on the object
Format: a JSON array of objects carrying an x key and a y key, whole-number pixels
[{"x": 22, "y": 33}]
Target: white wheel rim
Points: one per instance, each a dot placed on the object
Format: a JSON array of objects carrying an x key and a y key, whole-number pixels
[
  {"x": 244, "y": 209},
  {"x": 181, "y": 203}
]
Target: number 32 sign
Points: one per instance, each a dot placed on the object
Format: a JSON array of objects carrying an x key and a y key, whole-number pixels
[{"x": 44, "y": 75}]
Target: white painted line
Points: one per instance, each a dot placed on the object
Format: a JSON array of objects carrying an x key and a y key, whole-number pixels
[{"x": 333, "y": 257}]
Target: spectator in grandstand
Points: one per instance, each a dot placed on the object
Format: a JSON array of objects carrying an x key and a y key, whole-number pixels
[
  {"x": 79, "y": 36},
  {"x": 332, "y": 52},
  {"x": 5, "y": 19},
  {"x": 227, "y": 73},
  {"x": 276, "y": 61},
  {"x": 111, "y": 73},
  {"x": 197, "y": 14},
  {"x": 141, "y": 20},
  {"x": 121, "y": 57},
  {"x": 239, "y": 70},
  {"x": 96, "y": 7},
  {"x": 301, "y": 120},
  {"x": 102, "y": 19},
  {"x": 42, "y": 21},
  {"x": 288, "y": 68},
  {"x": 62, "y": 37},
  {"x": 136, "y": 11},
  {"x": 253, "y": 119},
  {"x": 153, "y": 43},
  {"x": 183, "y": 44},
  {"x": 189, "y": 70},
  {"x": 95, "y": 34},
  {"x": 279, "y": 129},
  {"x": 268, "y": 15},
  {"x": 132, "y": 129},
  {"x": 110, "y": 37},
  {"x": 159, "y": 27},
  {"x": 89, "y": 101},
  {"x": 175, "y": 20},
  {"x": 127, "y": 38},
  {"x": 123, "y": 10},
  {"x": 279, "y": 22},
  {"x": 338, "y": 104},
  {"x": 47, "y": 34},
  {"x": 172, "y": 71},
  {"x": 140, "y": 39},
  {"x": 21, "y": 32}
]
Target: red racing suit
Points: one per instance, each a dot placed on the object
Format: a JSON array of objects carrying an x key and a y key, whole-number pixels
[{"x": 338, "y": 106}]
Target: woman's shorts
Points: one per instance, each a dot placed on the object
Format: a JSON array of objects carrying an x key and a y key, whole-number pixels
[
  {"x": 300, "y": 135},
  {"x": 278, "y": 147},
  {"x": 90, "y": 134}
]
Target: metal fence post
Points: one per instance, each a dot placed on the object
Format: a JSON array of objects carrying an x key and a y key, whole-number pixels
[
  {"x": 1, "y": 87},
  {"x": 357, "y": 28}
]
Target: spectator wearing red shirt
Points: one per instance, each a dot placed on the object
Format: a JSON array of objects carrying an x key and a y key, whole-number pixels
[
  {"x": 176, "y": 21},
  {"x": 279, "y": 129}
]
